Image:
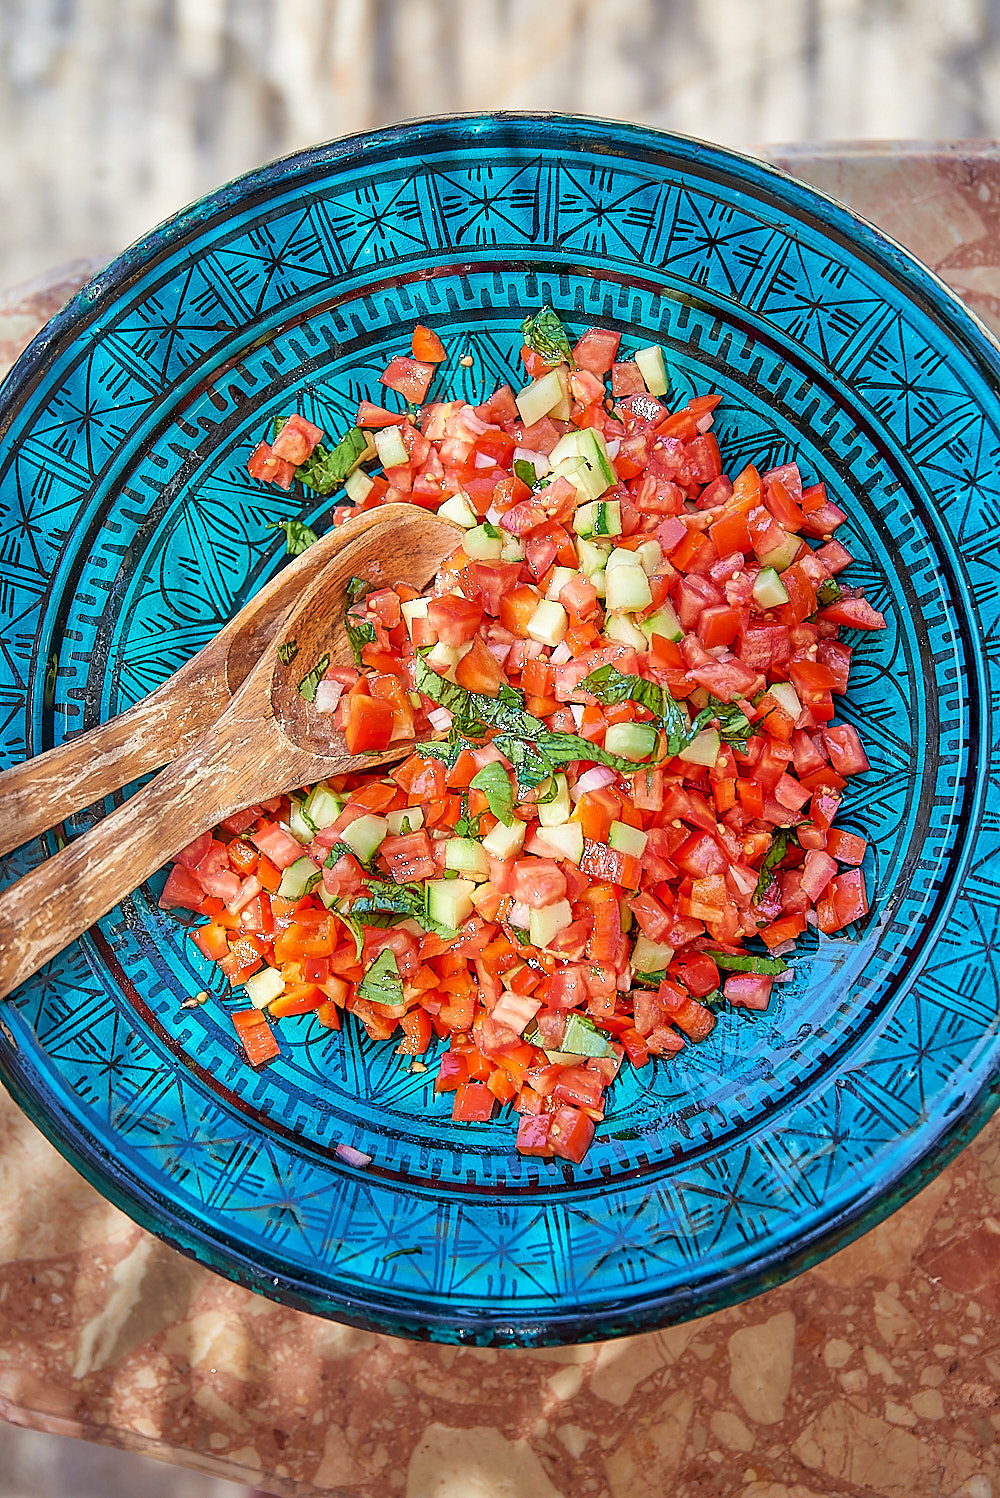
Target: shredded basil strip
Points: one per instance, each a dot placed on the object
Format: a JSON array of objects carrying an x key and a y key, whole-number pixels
[
  {"x": 360, "y": 632},
  {"x": 298, "y": 537},
  {"x": 325, "y": 469},
  {"x": 545, "y": 335},
  {"x": 747, "y": 962},
  {"x": 492, "y": 531},
  {"x": 383, "y": 898},
  {"x": 287, "y": 652},
  {"x": 650, "y": 980},
  {"x": 829, "y": 592},
  {"x": 494, "y": 782},
  {"x": 382, "y": 983},
  {"x": 526, "y": 472},
  {"x": 610, "y": 686},
  {"x": 771, "y": 860},
  {"x": 310, "y": 682}
]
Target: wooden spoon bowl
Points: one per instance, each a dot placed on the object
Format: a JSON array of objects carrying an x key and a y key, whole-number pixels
[{"x": 267, "y": 741}]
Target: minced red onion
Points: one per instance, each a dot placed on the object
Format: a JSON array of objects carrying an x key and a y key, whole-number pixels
[
  {"x": 614, "y": 447},
  {"x": 576, "y": 708},
  {"x": 704, "y": 422},
  {"x": 781, "y": 948},
  {"x": 745, "y": 882},
  {"x": 533, "y": 649},
  {"x": 471, "y": 422},
  {"x": 538, "y": 461},
  {"x": 440, "y": 719},
  {"x": 561, "y": 655},
  {"x": 498, "y": 651},
  {"x": 785, "y": 977},
  {"x": 483, "y": 460},
  {"x": 351, "y": 1156},
  {"x": 594, "y": 778},
  {"x": 519, "y": 915},
  {"x": 328, "y": 694},
  {"x": 810, "y": 917}
]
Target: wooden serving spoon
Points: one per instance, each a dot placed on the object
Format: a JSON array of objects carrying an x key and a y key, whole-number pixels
[
  {"x": 268, "y": 740},
  {"x": 43, "y": 791}
]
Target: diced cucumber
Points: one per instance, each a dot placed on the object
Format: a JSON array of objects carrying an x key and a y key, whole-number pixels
[
  {"x": 358, "y": 486},
  {"x": 635, "y": 741},
  {"x": 787, "y": 697},
  {"x": 621, "y": 556},
  {"x": 508, "y": 977},
  {"x": 560, "y": 577},
  {"x": 563, "y": 841},
  {"x": 620, "y": 630},
  {"x": 768, "y": 590},
  {"x": 503, "y": 842},
  {"x": 414, "y": 608},
  {"x": 264, "y": 986},
  {"x": 299, "y": 878},
  {"x": 542, "y": 397},
  {"x": 664, "y": 622},
  {"x": 568, "y": 446},
  {"x": 548, "y": 624},
  {"x": 652, "y": 369},
  {"x": 552, "y": 813},
  {"x": 444, "y": 658},
  {"x": 481, "y": 546},
  {"x": 563, "y": 409},
  {"x": 328, "y": 898},
  {"x": 466, "y": 856},
  {"x": 458, "y": 510},
  {"x": 594, "y": 448},
  {"x": 593, "y": 555},
  {"x": 299, "y": 825},
  {"x": 703, "y": 748},
  {"x": 782, "y": 555},
  {"x": 513, "y": 549},
  {"x": 583, "y": 1038},
  {"x": 545, "y": 924},
  {"x": 627, "y": 839},
  {"x": 407, "y": 819},
  {"x": 603, "y": 517},
  {"x": 588, "y": 483},
  {"x": 390, "y": 448},
  {"x": 650, "y": 555},
  {"x": 449, "y": 901},
  {"x": 366, "y": 835},
  {"x": 323, "y": 806},
  {"x": 650, "y": 956},
  {"x": 627, "y": 590}
]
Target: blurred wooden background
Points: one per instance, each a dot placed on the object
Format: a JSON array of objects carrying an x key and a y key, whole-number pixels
[{"x": 113, "y": 113}]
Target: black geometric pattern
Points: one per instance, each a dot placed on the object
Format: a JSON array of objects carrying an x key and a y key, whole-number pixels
[{"x": 129, "y": 531}]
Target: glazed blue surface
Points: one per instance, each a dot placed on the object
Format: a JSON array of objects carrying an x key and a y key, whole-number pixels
[{"x": 129, "y": 531}]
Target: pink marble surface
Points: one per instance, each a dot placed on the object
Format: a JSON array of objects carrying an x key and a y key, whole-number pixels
[{"x": 876, "y": 1373}]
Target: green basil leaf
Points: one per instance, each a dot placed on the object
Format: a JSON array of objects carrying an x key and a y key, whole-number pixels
[
  {"x": 611, "y": 686},
  {"x": 545, "y": 335},
  {"x": 494, "y": 782},
  {"x": 771, "y": 860},
  {"x": 310, "y": 682},
  {"x": 360, "y": 632},
  {"x": 326, "y": 469},
  {"x": 829, "y": 592},
  {"x": 287, "y": 652},
  {"x": 525, "y": 470},
  {"x": 382, "y": 983},
  {"x": 298, "y": 537},
  {"x": 649, "y": 980},
  {"x": 748, "y": 962}
]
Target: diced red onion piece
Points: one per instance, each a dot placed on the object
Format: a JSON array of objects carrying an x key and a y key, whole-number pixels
[
  {"x": 596, "y": 777},
  {"x": 328, "y": 694},
  {"x": 351, "y": 1156},
  {"x": 561, "y": 655},
  {"x": 520, "y": 915},
  {"x": 704, "y": 422},
  {"x": 576, "y": 708},
  {"x": 440, "y": 719},
  {"x": 483, "y": 460},
  {"x": 614, "y": 447}
]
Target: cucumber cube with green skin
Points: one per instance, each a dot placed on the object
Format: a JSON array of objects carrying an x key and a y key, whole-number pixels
[
  {"x": 627, "y": 839},
  {"x": 593, "y": 555},
  {"x": 545, "y": 924},
  {"x": 650, "y": 956},
  {"x": 627, "y": 590},
  {"x": 769, "y": 591},
  {"x": 466, "y": 856},
  {"x": 322, "y": 806},
  {"x": 449, "y": 901},
  {"x": 585, "y": 481},
  {"x": 358, "y": 486},
  {"x": 513, "y": 549},
  {"x": 603, "y": 517},
  {"x": 542, "y": 397},
  {"x": 620, "y": 630},
  {"x": 784, "y": 553},
  {"x": 366, "y": 835},
  {"x": 407, "y": 819},
  {"x": 264, "y": 987},
  {"x": 568, "y": 446},
  {"x": 650, "y": 555},
  {"x": 583, "y": 1038},
  {"x": 552, "y": 813},
  {"x": 664, "y": 622},
  {"x": 481, "y": 546},
  {"x": 653, "y": 369},
  {"x": 703, "y": 748},
  {"x": 299, "y": 878},
  {"x": 549, "y": 623},
  {"x": 564, "y": 841},
  {"x": 458, "y": 510},
  {"x": 503, "y": 842},
  {"x": 634, "y": 741},
  {"x": 390, "y": 448},
  {"x": 299, "y": 825}
]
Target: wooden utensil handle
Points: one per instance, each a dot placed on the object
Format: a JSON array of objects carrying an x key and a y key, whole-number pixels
[
  {"x": 47, "y": 909},
  {"x": 43, "y": 791}
]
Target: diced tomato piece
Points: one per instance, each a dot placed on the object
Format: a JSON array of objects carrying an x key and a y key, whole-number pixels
[
  {"x": 473, "y": 1102},
  {"x": 296, "y": 440},
  {"x": 454, "y": 619},
  {"x": 846, "y": 847},
  {"x": 570, "y": 1133},
  {"x": 369, "y": 725},
  {"x": 409, "y": 857},
  {"x": 479, "y": 670},
  {"x": 409, "y": 377},
  {"x": 846, "y": 751},
  {"x": 748, "y": 990},
  {"x": 426, "y": 345},
  {"x": 256, "y": 1036},
  {"x": 595, "y": 350},
  {"x": 262, "y": 464}
]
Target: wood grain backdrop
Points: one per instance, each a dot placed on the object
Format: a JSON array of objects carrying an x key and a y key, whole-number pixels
[{"x": 115, "y": 112}]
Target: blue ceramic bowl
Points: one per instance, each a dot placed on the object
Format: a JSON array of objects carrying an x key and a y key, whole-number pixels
[{"x": 130, "y": 531}]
